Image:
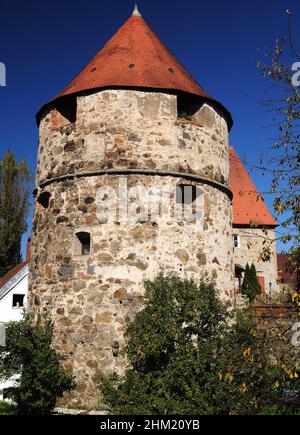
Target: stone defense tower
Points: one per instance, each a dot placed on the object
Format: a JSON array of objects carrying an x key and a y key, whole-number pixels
[{"x": 134, "y": 114}]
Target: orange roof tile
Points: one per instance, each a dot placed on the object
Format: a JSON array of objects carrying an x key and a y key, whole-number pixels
[
  {"x": 136, "y": 58},
  {"x": 248, "y": 205}
]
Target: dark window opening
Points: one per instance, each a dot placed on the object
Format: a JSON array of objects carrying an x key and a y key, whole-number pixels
[
  {"x": 239, "y": 270},
  {"x": 18, "y": 301},
  {"x": 187, "y": 195},
  {"x": 83, "y": 244},
  {"x": 236, "y": 241},
  {"x": 187, "y": 105},
  {"x": 67, "y": 107},
  {"x": 44, "y": 199}
]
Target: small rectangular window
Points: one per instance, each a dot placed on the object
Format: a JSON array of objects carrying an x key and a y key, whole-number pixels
[
  {"x": 186, "y": 195},
  {"x": 83, "y": 244},
  {"x": 237, "y": 241},
  {"x": 18, "y": 301}
]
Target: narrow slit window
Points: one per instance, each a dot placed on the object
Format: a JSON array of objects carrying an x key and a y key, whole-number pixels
[
  {"x": 237, "y": 241},
  {"x": 18, "y": 301},
  {"x": 83, "y": 244}
]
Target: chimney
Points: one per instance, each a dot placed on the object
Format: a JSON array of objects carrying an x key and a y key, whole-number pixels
[{"x": 28, "y": 250}]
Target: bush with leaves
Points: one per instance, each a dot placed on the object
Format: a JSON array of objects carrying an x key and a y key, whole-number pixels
[
  {"x": 187, "y": 358},
  {"x": 29, "y": 353},
  {"x": 261, "y": 365},
  {"x": 250, "y": 286},
  {"x": 7, "y": 409}
]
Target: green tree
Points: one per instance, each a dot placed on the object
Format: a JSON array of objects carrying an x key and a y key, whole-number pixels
[
  {"x": 186, "y": 358},
  {"x": 250, "y": 286},
  {"x": 29, "y": 353},
  {"x": 14, "y": 205},
  {"x": 171, "y": 348},
  {"x": 262, "y": 366}
]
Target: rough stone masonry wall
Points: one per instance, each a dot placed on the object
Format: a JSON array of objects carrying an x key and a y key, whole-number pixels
[
  {"x": 92, "y": 298},
  {"x": 137, "y": 130},
  {"x": 251, "y": 246}
]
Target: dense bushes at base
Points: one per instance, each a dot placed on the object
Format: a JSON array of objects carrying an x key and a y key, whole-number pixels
[
  {"x": 7, "y": 409},
  {"x": 28, "y": 352},
  {"x": 188, "y": 356}
]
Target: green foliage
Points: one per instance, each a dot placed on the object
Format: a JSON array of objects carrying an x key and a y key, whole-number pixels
[
  {"x": 187, "y": 358},
  {"x": 28, "y": 352},
  {"x": 170, "y": 347},
  {"x": 250, "y": 286},
  {"x": 7, "y": 409},
  {"x": 14, "y": 204},
  {"x": 255, "y": 359}
]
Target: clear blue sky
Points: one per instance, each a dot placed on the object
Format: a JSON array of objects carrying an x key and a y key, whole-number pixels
[{"x": 44, "y": 44}]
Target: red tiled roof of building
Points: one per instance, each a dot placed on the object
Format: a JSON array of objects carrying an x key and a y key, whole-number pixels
[
  {"x": 286, "y": 277},
  {"x": 248, "y": 205},
  {"x": 12, "y": 273},
  {"x": 136, "y": 58}
]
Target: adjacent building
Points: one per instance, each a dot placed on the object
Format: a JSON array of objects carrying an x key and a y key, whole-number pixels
[
  {"x": 253, "y": 229},
  {"x": 13, "y": 300}
]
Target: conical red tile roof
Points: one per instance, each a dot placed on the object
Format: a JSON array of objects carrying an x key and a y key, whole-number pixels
[
  {"x": 248, "y": 205},
  {"x": 136, "y": 58}
]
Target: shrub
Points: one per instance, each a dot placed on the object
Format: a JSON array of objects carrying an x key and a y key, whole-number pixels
[
  {"x": 250, "y": 286},
  {"x": 28, "y": 352},
  {"x": 7, "y": 409},
  {"x": 187, "y": 358}
]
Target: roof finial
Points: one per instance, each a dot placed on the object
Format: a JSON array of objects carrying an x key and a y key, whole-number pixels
[{"x": 136, "y": 12}]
